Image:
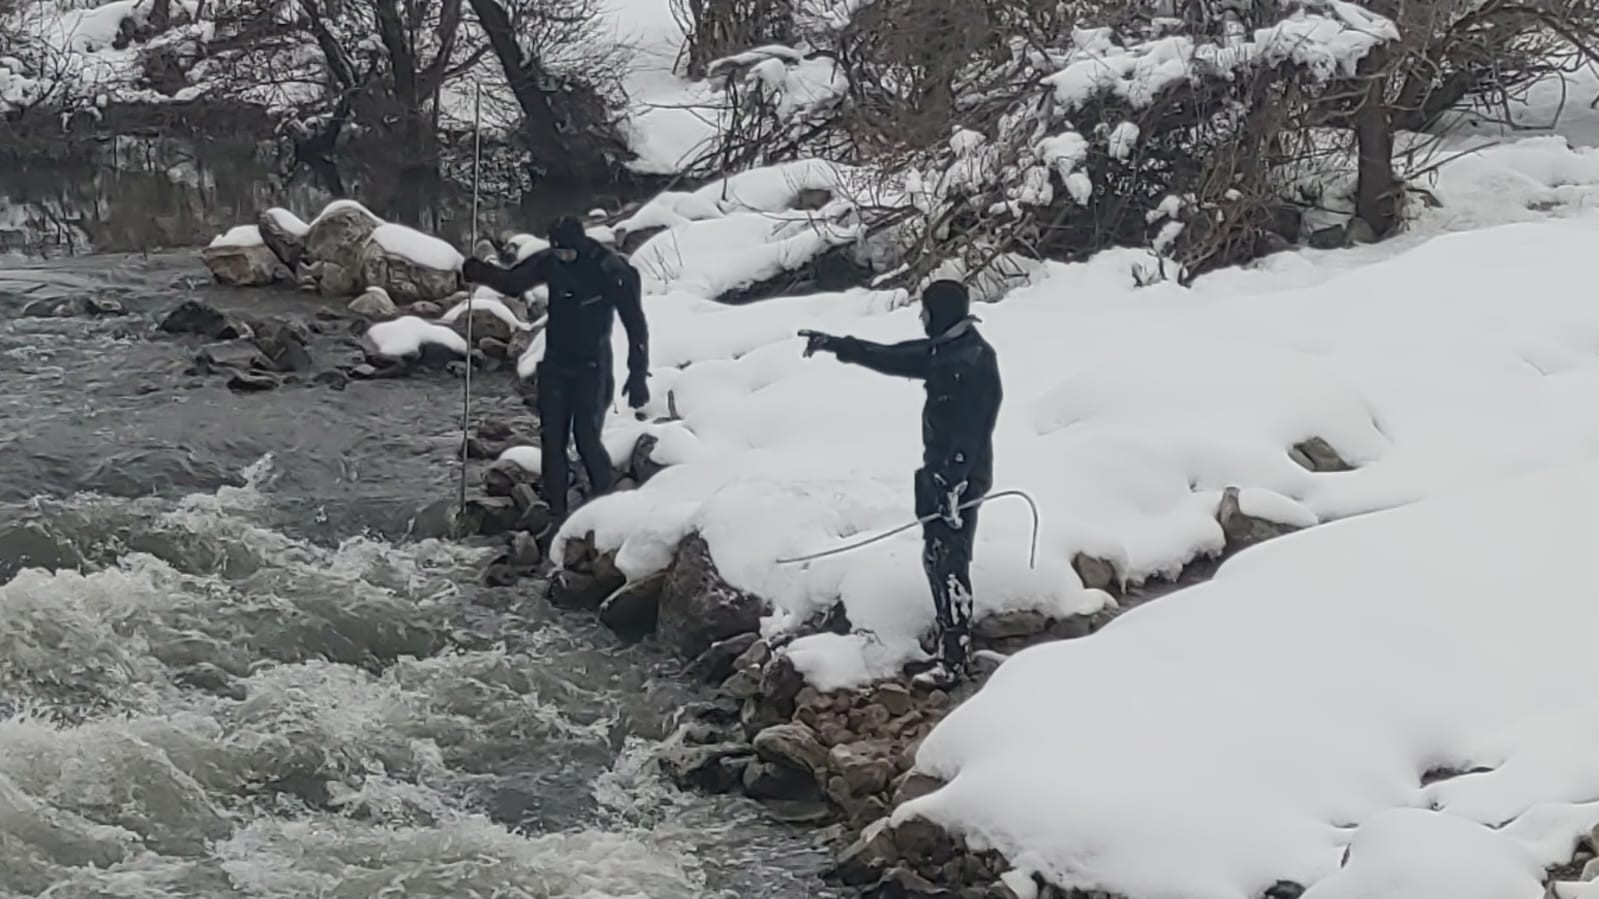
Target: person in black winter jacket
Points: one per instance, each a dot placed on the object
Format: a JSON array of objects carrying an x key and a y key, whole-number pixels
[
  {"x": 589, "y": 287},
  {"x": 960, "y": 372}
]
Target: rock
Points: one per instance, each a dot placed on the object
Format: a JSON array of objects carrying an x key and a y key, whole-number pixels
[
  {"x": 195, "y": 317},
  {"x": 287, "y": 245},
  {"x": 520, "y": 343},
  {"x": 406, "y": 280},
  {"x": 334, "y": 247},
  {"x": 863, "y": 773},
  {"x": 698, "y": 608},
  {"x": 525, "y": 496},
  {"x": 865, "y": 859},
  {"x": 536, "y": 517},
  {"x": 363, "y": 372},
  {"x": 714, "y": 769},
  {"x": 902, "y": 882},
  {"x": 230, "y": 356},
  {"x": 914, "y": 785},
  {"x": 791, "y": 811},
  {"x": 813, "y": 198},
  {"x": 424, "y": 309},
  {"x": 1318, "y": 455},
  {"x": 493, "y": 348},
  {"x": 755, "y": 656},
  {"x": 769, "y": 780},
  {"x": 640, "y": 464},
  {"x": 488, "y": 515},
  {"x": 252, "y": 382},
  {"x": 1009, "y": 625},
  {"x": 744, "y": 683},
  {"x": 500, "y": 574},
  {"x": 284, "y": 345},
  {"x": 252, "y": 266},
  {"x": 631, "y": 611},
  {"x": 585, "y": 590},
  {"x": 1241, "y": 530},
  {"x": 484, "y": 324},
  {"x": 920, "y": 840},
  {"x": 893, "y": 697},
  {"x": 525, "y": 552},
  {"x": 502, "y": 478},
  {"x": 374, "y": 304},
  {"x": 792, "y": 744},
  {"x": 104, "y": 306},
  {"x": 333, "y": 378},
  {"x": 1096, "y": 573},
  {"x": 1590, "y": 871},
  {"x": 716, "y": 663},
  {"x": 50, "y": 309},
  {"x": 780, "y": 686}
]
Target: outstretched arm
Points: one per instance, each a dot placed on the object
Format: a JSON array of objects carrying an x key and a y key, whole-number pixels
[
  {"x": 514, "y": 281},
  {"x": 907, "y": 359}
]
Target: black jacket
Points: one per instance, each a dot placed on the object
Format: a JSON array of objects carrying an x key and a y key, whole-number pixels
[
  {"x": 585, "y": 297},
  {"x": 961, "y": 375}
]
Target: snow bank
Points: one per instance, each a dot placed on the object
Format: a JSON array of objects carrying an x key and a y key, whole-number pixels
[
  {"x": 288, "y": 221},
  {"x": 240, "y": 236},
  {"x": 713, "y": 257},
  {"x": 1127, "y": 410},
  {"x": 773, "y": 189},
  {"x": 405, "y": 336},
  {"x": 1311, "y": 686}
]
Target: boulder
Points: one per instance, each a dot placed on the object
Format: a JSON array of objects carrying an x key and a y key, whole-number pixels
[
  {"x": 502, "y": 478},
  {"x": 489, "y": 515},
  {"x": 894, "y": 697},
  {"x": 252, "y": 382},
  {"x": 631, "y": 611},
  {"x": 864, "y": 773},
  {"x": 374, "y": 304},
  {"x": 484, "y": 324},
  {"x": 336, "y": 242},
  {"x": 794, "y": 745},
  {"x": 716, "y": 663},
  {"x": 1096, "y": 573},
  {"x": 104, "y": 306},
  {"x": 714, "y": 769},
  {"x": 243, "y": 266},
  {"x": 1242, "y": 530},
  {"x": 865, "y": 859},
  {"x": 284, "y": 234},
  {"x": 1010, "y": 625},
  {"x": 406, "y": 279},
  {"x": 283, "y": 343},
  {"x": 231, "y": 356},
  {"x": 424, "y": 309},
  {"x": 698, "y": 608},
  {"x": 586, "y": 590},
  {"x": 770, "y": 780},
  {"x": 1318, "y": 455},
  {"x": 195, "y": 317}
]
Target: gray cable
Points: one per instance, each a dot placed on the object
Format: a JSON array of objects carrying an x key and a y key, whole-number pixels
[{"x": 1032, "y": 558}]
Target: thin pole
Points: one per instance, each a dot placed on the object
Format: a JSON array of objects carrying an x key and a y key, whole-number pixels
[{"x": 466, "y": 389}]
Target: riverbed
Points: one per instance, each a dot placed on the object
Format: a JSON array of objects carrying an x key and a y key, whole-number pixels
[{"x": 240, "y": 657}]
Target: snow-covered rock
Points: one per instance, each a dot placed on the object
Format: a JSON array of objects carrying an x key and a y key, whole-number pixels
[
  {"x": 335, "y": 243},
  {"x": 408, "y": 337},
  {"x": 375, "y": 304},
  {"x": 410, "y": 265},
  {"x": 240, "y": 258},
  {"x": 284, "y": 233}
]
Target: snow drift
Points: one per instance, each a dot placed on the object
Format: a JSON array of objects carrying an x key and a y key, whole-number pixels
[{"x": 1447, "y": 636}]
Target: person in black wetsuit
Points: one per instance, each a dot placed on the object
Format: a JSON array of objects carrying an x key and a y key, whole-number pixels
[
  {"x": 961, "y": 375},
  {"x": 589, "y": 287}
]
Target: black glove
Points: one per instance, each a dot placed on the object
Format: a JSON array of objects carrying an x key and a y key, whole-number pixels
[
  {"x": 638, "y": 393},
  {"x": 816, "y": 340},
  {"x": 475, "y": 270}
]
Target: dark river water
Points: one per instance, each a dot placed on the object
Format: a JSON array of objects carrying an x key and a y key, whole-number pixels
[{"x": 238, "y": 660}]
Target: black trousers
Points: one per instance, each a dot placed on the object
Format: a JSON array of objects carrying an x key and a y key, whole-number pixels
[
  {"x": 947, "y": 559},
  {"x": 572, "y": 402}
]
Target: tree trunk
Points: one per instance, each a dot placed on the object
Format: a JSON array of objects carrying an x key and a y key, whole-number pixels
[
  {"x": 550, "y": 153},
  {"x": 1377, "y": 193}
]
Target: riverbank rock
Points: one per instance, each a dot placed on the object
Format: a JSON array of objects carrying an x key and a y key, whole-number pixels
[
  {"x": 334, "y": 244},
  {"x": 411, "y": 266},
  {"x": 284, "y": 343},
  {"x": 633, "y": 609},
  {"x": 374, "y": 304},
  {"x": 284, "y": 234},
  {"x": 1318, "y": 455},
  {"x": 239, "y": 258},
  {"x": 195, "y": 317},
  {"x": 586, "y": 576},
  {"x": 1244, "y": 527},
  {"x": 698, "y": 607},
  {"x": 484, "y": 324}
]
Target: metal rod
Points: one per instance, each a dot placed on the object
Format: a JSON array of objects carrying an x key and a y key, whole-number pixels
[{"x": 466, "y": 388}]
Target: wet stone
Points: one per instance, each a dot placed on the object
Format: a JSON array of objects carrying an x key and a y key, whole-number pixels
[{"x": 252, "y": 382}]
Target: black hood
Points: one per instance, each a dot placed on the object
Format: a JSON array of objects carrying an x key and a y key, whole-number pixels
[{"x": 945, "y": 304}]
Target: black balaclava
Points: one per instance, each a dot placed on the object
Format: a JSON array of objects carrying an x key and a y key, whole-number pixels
[
  {"x": 944, "y": 305},
  {"x": 568, "y": 234}
]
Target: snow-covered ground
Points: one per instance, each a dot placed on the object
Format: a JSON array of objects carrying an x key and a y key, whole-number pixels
[
  {"x": 1250, "y": 729},
  {"x": 1465, "y": 350}
]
